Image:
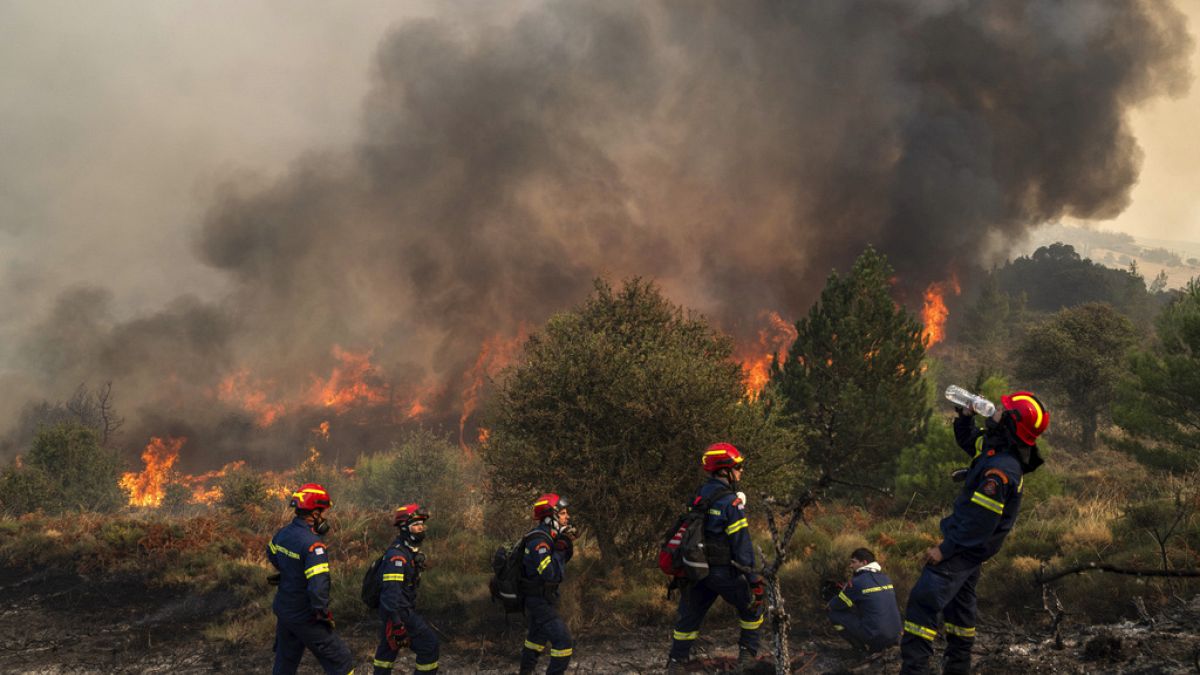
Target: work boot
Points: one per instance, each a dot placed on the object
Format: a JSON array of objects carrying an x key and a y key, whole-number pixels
[{"x": 676, "y": 667}]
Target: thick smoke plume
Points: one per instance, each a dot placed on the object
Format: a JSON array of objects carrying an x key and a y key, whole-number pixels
[{"x": 735, "y": 152}]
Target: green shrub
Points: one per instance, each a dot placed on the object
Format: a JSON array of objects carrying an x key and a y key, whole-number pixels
[
  {"x": 66, "y": 469},
  {"x": 243, "y": 490}
]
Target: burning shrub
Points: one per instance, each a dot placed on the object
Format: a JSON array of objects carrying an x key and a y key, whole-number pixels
[{"x": 66, "y": 469}]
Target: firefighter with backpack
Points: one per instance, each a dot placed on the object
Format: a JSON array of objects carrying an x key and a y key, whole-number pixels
[
  {"x": 397, "y": 575},
  {"x": 545, "y": 551},
  {"x": 730, "y": 562}
]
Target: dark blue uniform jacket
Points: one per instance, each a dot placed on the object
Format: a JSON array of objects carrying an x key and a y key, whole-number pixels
[
  {"x": 986, "y": 509},
  {"x": 869, "y": 598},
  {"x": 725, "y": 522},
  {"x": 398, "y": 587},
  {"x": 303, "y": 563},
  {"x": 544, "y": 563}
]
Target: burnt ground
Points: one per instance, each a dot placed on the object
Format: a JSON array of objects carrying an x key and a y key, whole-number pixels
[{"x": 55, "y": 622}]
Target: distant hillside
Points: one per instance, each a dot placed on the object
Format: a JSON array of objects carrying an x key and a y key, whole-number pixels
[{"x": 1180, "y": 260}]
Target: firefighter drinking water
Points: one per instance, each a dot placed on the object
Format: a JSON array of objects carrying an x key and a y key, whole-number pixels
[
  {"x": 730, "y": 562},
  {"x": 400, "y": 570},
  {"x": 984, "y": 513},
  {"x": 301, "y": 605}
]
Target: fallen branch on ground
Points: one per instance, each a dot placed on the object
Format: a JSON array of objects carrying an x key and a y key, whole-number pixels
[{"x": 1040, "y": 578}]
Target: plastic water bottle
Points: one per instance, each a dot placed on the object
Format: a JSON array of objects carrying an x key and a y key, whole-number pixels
[{"x": 959, "y": 396}]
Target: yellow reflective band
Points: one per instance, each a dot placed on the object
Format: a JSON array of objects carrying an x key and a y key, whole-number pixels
[
  {"x": 987, "y": 503},
  {"x": 383, "y": 664},
  {"x": 313, "y": 571},
  {"x": 534, "y": 646},
  {"x": 679, "y": 635},
  {"x": 541, "y": 502},
  {"x": 714, "y": 512},
  {"x": 276, "y": 548},
  {"x": 542, "y": 565},
  {"x": 1038, "y": 408},
  {"x": 393, "y": 577},
  {"x": 919, "y": 630},
  {"x": 838, "y": 627},
  {"x": 979, "y": 446},
  {"x": 737, "y": 525},
  {"x": 714, "y": 452},
  {"x": 1020, "y": 484},
  {"x": 877, "y": 589},
  {"x": 960, "y": 631},
  {"x": 750, "y": 625},
  {"x": 561, "y": 652},
  {"x": 843, "y": 598},
  {"x": 427, "y": 666}
]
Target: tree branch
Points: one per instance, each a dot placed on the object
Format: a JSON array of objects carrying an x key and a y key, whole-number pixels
[{"x": 1114, "y": 569}]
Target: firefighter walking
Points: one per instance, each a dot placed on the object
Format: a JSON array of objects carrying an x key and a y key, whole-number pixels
[
  {"x": 400, "y": 573},
  {"x": 984, "y": 513},
  {"x": 731, "y": 562},
  {"x": 301, "y": 604},
  {"x": 548, "y": 548}
]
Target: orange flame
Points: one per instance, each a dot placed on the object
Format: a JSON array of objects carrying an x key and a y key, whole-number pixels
[
  {"x": 353, "y": 380},
  {"x": 495, "y": 354},
  {"x": 322, "y": 430},
  {"x": 484, "y": 435},
  {"x": 934, "y": 313},
  {"x": 772, "y": 346},
  {"x": 148, "y": 487},
  {"x": 237, "y": 389}
]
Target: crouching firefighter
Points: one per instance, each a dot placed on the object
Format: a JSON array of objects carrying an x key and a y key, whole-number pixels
[
  {"x": 400, "y": 575},
  {"x": 730, "y": 562},
  {"x": 301, "y": 605},
  {"x": 984, "y": 513},
  {"x": 548, "y": 548},
  {"x": 864, "y": 611}
]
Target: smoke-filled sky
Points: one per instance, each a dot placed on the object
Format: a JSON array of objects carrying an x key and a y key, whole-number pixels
[{"x": 194, "y": 194}]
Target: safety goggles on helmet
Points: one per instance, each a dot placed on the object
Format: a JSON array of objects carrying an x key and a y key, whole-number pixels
[
  {"x": 409, "y": 514},
  {"x": 548, "y": 504}
]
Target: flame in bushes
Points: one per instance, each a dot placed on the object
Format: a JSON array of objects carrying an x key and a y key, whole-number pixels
[
  {"x": 773, "y": 342},
  {"x": 354, "y": 380},
  {"x": 237, "y": 389},
  {"x": 934, "y": 313},
  {"x": 495, "y": 354},
  {"x": 148, "y": 487}
]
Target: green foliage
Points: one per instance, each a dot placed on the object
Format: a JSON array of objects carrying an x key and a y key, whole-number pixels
[
  {"x": 1159, "y": 404},
  {"x": 611, "y": 406},
  {"x": 66, "y": 469},
  {"x": 243, "y": 490},
  {"x": 176, "y": 497},
  {"x": 853, "y": 379},
  {"x": 1055, "y": 277},
  {"x": 1078, "y": 357},
  {"x": 923, "y": 470}
]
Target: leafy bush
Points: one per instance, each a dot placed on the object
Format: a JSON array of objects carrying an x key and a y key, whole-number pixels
[
  {"x": 66, "y": 469},
  {"x": 243, "y": 490}
]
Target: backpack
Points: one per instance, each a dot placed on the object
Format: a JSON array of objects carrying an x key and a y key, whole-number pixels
[
  {"x": 505, "y": 584},
  {"x": 682, "y": 555},
  {"x": 372, "y": 583}
]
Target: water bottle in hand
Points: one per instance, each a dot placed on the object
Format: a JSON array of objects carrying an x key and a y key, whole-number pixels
[{"x": 961, "y": 397}]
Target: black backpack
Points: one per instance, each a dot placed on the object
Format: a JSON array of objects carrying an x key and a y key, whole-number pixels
[
  {"x": 683, "y": 554},
  {"x": 372, "y": 583},
  {"x": 505, "y": 584}
]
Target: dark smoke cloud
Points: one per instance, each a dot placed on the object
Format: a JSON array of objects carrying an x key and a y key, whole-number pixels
[{"x": 736, "y": 152}]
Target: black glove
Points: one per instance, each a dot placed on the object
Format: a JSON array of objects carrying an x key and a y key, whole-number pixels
[
  {"x": 324, "y": 616},
  {"x": 273, "y": 579},
  {"x": 419, "y": 561},
  {"x": 965, "y": 412}
]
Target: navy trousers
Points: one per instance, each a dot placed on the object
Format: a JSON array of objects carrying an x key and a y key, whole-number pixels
[
  {"x": 947, "y": 588},
  {"x": 291, "y": 639},
  {"x": 849, "y": 626},
  {"x": 423, "y": 642},
  {"x": 695, "y": 600},
  {"x": 546, "y": 627}
]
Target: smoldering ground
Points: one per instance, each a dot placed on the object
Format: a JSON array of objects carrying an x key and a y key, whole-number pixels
[{"x": 735, "y": 152}]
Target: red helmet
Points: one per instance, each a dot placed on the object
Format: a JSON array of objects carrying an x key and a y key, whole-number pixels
[
  {"x": 310, "y": 497},
  {"x": 410, "y": 513},
  {"x": 721, "y": 456},
  {"x": 548, "y": 505},
  {"x": 1030, "y": 415}
]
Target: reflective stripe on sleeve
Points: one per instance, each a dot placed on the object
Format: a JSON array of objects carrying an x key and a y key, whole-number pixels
[
  {"x": 542, "y": 565},
  {"x": 561, "y": 652},
  {"x": 842, "y": 596},
  {"x": 535, "y": 646},
  {"x": 750, "y": 625},
  {"x": 276, "y": 548},
  {"x": 877, "y": 589},
  {"x": 960, "y": 631},
  {"x": 427, "y": 666},
  {"x": 987, "y": 503},
  {"x": 378, "y": 663},
  {"x": 737, "y": 525},
  {"x": 322, "y": 568},
  {"x": 919, "y": 630},
  {"x": 393, "y": 577},
  {"x": 680, "y": 635},
  {"x": 714, "y": 512}
]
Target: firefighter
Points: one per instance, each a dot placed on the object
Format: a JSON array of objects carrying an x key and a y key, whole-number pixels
[
  {"x": 548, "y": 548},
  {"x": 301, "y": 603},
  {"x": 864, "y": 611},
  {"x": 401, "y": 575},
  {"x": 984, "y": 513},
  {"x": 731, "y": 562}
]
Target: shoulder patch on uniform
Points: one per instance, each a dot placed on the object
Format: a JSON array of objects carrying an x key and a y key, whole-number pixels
[
  {"x": 990, "y": 487},
  {"x": 397, "y": 557},
  {"x": 541, "y": 547},
  {"x": 997, "y": 472},
  {"x": 316, "y": 545}
]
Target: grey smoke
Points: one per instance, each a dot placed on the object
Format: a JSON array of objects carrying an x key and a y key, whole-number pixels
[{"x": 736, "y": 152}]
